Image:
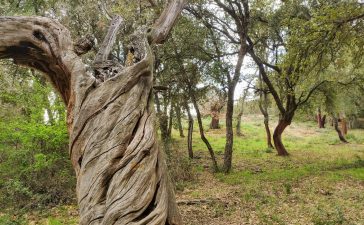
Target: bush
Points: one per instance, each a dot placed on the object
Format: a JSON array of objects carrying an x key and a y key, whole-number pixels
[{"x": 35, "y": 169}]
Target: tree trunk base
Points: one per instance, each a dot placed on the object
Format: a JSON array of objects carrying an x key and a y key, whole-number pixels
[{"x": 277, "y": 138}]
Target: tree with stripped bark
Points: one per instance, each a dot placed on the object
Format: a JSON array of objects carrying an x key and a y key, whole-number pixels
[
  {"x": 302, "y": 45},
  {"x": 121, "y": 172}
]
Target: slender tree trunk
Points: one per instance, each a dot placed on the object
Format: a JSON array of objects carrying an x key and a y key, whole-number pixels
[
  {"x": 241, "y": 111},
  {"x": 228, "y": 154},
  {"x": 177, "y": 109},
  {"x": 229, "y": 130},
  {"x": 267, "y": 131},
  {"x": 323, "y": 121},
  {"x": 277, "y": 137},
  {"x": 202, "y": 133},
  {"x": 337, "y": 129},
  {"x": 319, "y": 118},
  {"x": 191, "y": 93},
  {"x": 263, "y": 106},
  {"x": 170, "y": 122},
  {"x": 190, "y": 131},
  {"x": 238, "y": 124}
]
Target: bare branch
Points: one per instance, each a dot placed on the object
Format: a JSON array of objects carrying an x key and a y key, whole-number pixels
[
  {"x": 165, "y": 22},
  {"x": 109, "y": 40},
  {"x": 312, "y": 90},
  {"x": 152, "y": 3}
]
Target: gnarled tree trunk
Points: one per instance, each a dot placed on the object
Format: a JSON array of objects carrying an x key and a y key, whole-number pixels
[
  {"x": 215, "y": 110},
  {"x": 338, "y": 130},
  {"x": 215, "y": 121},
  {"x": 344, "y": 126},
  {"x": 121, "y": 173}
]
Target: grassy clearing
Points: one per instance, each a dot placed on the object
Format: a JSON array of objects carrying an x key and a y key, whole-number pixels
[{"x": 320, "y": 183}]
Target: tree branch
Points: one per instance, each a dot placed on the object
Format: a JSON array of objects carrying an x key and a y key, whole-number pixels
[
  {"x": 109, "y": 40},
  {"x": 266, "y": 79},
  {"x": 165, "y": 22},
  {"x": 312, "y": 90},
  {"x": 42, "y": 44}
]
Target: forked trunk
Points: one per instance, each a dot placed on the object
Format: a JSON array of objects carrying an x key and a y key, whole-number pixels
[
  {"x": 228, "y": 154},
  {"x": 277, "y": 137},
  {"x": 121, "y": 173},
  {"x": 321, "y": 120}
]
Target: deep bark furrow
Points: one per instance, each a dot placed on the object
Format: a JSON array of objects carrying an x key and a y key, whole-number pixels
[
  {"x": 126, "y": 137},
  {"x": 108, "y": 135},
  {"x": 104, "y": 107},
  {"x": 124, "y": 90},
  {"x": 126, "y": 192}
]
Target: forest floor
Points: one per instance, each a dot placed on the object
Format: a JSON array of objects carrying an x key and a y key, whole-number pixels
[{"x": 320, "y": 183}]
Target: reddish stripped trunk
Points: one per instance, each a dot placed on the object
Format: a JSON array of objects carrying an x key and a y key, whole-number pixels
[
  {"x": 277, "y": 137},
  {"x": 321, "y": 120},
  {"x": 344, "y": 126},
  {"x": 215, "y": 122}
]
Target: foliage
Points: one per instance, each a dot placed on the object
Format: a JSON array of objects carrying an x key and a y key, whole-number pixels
[{"x": 34, "y": 164}]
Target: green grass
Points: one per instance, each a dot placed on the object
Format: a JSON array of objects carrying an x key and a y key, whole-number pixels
[{"x": 320, "y": 183}]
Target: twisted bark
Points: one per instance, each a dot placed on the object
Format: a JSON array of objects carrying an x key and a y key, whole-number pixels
[{"x": 121, "y": 173}]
